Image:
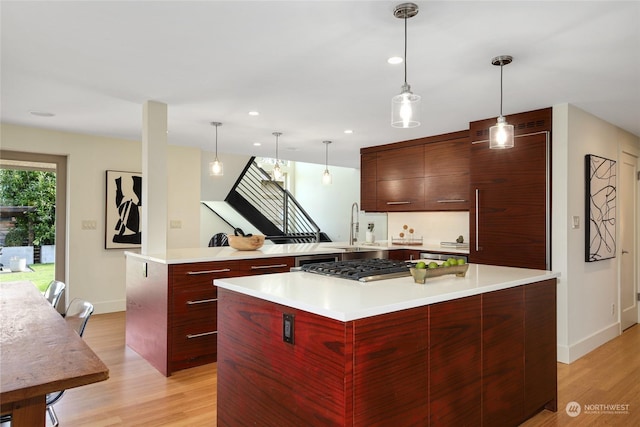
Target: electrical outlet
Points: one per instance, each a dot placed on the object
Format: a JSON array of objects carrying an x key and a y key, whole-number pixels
[
  {"x": 175, "y": 223},
  {"x": 287, "y": 328},
  {"x": 613, "y": 309}
]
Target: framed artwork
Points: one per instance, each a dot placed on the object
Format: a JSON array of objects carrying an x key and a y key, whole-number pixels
[
  {"x": 123, "y": 210},
  {"x": 600, "y": 208}
]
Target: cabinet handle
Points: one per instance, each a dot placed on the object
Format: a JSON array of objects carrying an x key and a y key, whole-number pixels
[
  {"x": 202, "y": 301},
  {"x": 262, "y": 267},
  {"x": 452, "y": 201},
  {"x": 195, "y": 273},
  {"x": 398, "y": 203},
  {"x": 477, "y": 216},
  {"x": 204, "y": 334}
]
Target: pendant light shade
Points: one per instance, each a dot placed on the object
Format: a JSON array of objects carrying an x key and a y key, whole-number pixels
[
  {"x": 277, "y": 173},
  {"x": 215, "y": 167},
  {"x": 326, "y": 176},
  {"x": 501, "y": 134},
  {"x": 405, "y": 108}
]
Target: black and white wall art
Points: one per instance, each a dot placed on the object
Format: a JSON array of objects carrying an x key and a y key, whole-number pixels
[
  {"x": 600, "y": 208},
  {"x": 123, "y": 210}
]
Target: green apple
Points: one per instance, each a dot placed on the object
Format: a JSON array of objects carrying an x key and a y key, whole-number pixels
[
  {"x": 433, "y": 264},
  {"x": 460, "y": 261},
  {"x": 421, "y": 265}
]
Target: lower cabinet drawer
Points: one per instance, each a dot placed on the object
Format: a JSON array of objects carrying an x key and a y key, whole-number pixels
[
  {"x": 194, "y": 306},
  {"x": 193, "y": 345}
]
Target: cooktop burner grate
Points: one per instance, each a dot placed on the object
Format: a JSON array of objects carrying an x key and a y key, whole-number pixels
[{"x": 364, "y": 270}]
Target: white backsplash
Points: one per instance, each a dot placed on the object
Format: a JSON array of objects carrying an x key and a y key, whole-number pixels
[{"x": 433, "y": 227}]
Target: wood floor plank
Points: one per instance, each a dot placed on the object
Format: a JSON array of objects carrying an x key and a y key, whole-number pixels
[{"x": 138, "y": 395}]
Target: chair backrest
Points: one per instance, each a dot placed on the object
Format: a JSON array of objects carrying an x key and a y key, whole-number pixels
[
  {"x": 219, "y": 239},
  {"x": 54, "y": 292},
  {"x": 78, "y": 313}
]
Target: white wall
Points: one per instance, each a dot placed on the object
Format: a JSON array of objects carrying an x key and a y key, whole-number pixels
[
  {"x": 95, "y": 273},
  {"x": 586, "y": 291},
  {"x": 330, "y": 205}
]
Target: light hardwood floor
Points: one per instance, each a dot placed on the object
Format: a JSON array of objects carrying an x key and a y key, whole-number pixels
[{"x": 137, "y": 395}]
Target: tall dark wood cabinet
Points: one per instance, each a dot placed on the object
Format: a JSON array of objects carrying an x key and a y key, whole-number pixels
[{"x": 509, "y": 213}]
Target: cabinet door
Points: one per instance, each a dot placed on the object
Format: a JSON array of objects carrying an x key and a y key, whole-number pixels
[
  {"x": 400, "y": 163},
  {"x": 368, "y": 177},
  {"x": 455, "y": 362},
  {"x": 400, "y": 195},
  {"x": 447, "y": 175},
  {"x": 540, "y": 369},
  {"x": 502, "y": 357},
  {"x": 508, "y": 216}
]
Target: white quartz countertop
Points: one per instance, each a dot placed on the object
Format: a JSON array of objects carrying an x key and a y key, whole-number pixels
[
  {"x": 226, "y": 253},
  {"x": 346, "y": 300}
]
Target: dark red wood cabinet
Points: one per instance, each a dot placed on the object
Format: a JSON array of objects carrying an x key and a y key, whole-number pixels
[
  {"x": 509, "y": 217},
  {"x": 483, "y": 360},
  {"x": 172, "y": 310},
  {"x": 426, "y": 174}
]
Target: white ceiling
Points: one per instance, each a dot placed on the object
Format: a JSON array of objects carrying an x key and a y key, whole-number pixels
[{"x": 311, "y": 68}]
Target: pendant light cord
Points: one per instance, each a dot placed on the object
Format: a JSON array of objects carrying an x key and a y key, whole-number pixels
[
  {"x": 501, "y": 65},
  {"x": 326, "y": 156},
  {"x": 405, "y": 48},
  {"x": 216, "y": 142}
]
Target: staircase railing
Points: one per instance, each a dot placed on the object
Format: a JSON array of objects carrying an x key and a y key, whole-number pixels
[{"x": 271, "y": 208}]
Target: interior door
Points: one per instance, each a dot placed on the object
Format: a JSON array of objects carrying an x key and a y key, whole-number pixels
[{"x": 628, "y": 235}]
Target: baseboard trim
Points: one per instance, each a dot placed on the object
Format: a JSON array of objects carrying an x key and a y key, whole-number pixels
[
  {"x": 569, "y": 354},
  {"x": 109, "y": 306}
]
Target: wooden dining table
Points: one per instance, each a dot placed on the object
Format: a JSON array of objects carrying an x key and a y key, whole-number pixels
[{"x": 39, "y": 354}]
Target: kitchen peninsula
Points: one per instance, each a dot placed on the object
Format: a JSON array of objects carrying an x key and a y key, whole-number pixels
[
  {"x": 303, "y": 349},
  {"x": 172, "y": 305}
]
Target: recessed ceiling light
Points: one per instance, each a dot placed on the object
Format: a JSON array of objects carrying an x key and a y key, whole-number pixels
[
  {"x": 254, "y": 113},
  {"x": 257, "y": 144},
  {"x": 394, "y": 60},
  {"x": 349, "y": 131},
  {"x": 41, "y": 114}
]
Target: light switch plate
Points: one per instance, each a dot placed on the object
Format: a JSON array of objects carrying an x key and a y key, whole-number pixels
[{"x": 576, "y": 222}]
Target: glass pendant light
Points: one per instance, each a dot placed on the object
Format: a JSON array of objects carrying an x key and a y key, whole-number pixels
[
  {"x": 215, "y": 167},
  {"x": 277, "y": 173},
  {"x": 405, "y": 108},
  {"x": 501, "y": 134},
  {"x": 326, "y": 176}
]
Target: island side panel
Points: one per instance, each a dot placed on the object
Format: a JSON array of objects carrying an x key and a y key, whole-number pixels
[
  {"x": 147, "y": 314},
  {"x": 391, "y": 369},
  {"x": 455, "y": 362},
  {"x": 503, "y": 357},
  {"x": 263, "y": 380},
  {"x": 541, "y": 366}
]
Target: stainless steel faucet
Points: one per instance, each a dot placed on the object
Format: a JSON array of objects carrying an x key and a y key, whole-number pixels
[{"x": 353, "y": 236}]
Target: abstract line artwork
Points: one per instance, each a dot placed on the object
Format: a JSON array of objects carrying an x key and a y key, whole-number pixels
[
  {"x": 600, "y": 204},
  {"x": 123, "y": 210}
]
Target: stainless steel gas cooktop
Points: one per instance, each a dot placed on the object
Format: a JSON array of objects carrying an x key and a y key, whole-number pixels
[{"x": 363, "y": 270}]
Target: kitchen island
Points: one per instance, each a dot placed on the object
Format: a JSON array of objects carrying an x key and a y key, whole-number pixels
[{"x": 303, "y": 349}]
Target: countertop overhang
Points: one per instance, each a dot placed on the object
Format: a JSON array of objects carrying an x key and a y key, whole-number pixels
[
  {"x": 347, "y": 300},
  {"x": 226, "y": 253}
]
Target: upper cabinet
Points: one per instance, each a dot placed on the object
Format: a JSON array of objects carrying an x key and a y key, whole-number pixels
[{"x": 426, "y": 174}]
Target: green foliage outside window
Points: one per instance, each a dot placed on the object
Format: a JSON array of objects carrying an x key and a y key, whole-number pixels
[{"x": 35, "y": 189}]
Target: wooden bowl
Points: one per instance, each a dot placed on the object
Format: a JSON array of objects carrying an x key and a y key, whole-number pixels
[{"x": 243, "y": 243}]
